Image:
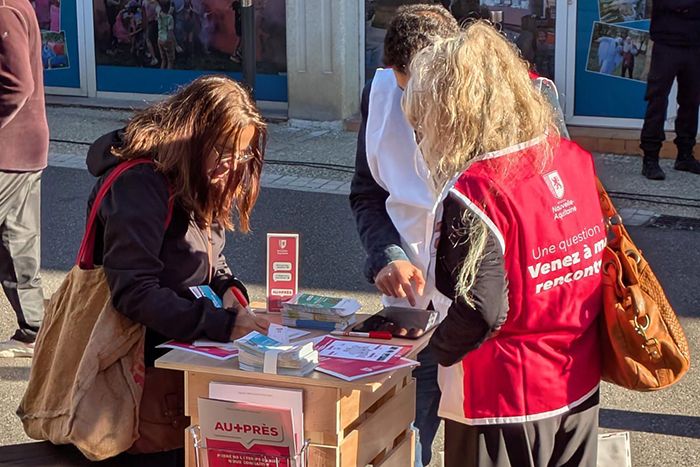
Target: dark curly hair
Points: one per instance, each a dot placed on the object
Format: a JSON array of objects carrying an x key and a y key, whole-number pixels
[{"x": 413, "y": 29}]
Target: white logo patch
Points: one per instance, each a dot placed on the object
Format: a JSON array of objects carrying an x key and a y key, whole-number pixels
[{"x": 555, "y": 184}]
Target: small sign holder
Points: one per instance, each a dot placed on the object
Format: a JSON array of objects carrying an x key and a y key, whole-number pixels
[{"x": 282, "y": 275}]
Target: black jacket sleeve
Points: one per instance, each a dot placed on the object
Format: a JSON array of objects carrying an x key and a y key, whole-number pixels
[
  {"x": 467, "y": 326},
  {"x": 134, "y": 214},
  {"x": 224, "y": 278},
  {"x": 379, "y": 237}
]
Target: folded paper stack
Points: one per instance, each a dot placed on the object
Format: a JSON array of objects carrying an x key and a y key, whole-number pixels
[
  {"x": 318, "y": 312},
  {"x": 258, "y": 352}
]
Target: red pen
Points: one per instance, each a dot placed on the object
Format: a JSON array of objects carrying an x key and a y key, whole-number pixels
[
  {"x": 241, "y": 298},
  {"x": 372, "y": 334}
]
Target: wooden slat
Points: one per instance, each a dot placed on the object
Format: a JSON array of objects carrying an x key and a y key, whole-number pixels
[
  {"x": 320, "y": 405},
  {"x": 322, "y": 457},
  {"x": 380, "y": 429},
  {"x": 189, "y": 448},
  {"x": 403, "y": 455},
  {"x": 354, "y": 404}
]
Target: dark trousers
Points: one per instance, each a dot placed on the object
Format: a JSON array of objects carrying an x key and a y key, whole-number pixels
[
  {"x": 427, "y": 402},
  {"x": 627, "y": 69},
  {"x": 667, "y": 64},
  {"x": 20, "y": 249},
  {"x": 567, "y": 440}
]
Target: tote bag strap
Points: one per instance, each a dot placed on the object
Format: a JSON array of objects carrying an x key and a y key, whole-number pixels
[{"x": 85, "y": 258}]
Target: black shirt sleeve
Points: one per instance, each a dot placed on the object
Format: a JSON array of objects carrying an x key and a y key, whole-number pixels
[
  {"x": 223, "y": 277},
  {"x": 379, "y": 237},
  {"x": 133, "y": 214},
  {"x": 467, "y": 325}
]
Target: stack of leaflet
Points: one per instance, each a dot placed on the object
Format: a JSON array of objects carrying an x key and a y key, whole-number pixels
[
  {"x": 258, "y": 352},
  {"x": 319, "y": 312}
]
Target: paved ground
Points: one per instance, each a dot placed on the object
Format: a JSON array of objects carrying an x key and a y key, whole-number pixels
[{"x": 665, "y": 426}]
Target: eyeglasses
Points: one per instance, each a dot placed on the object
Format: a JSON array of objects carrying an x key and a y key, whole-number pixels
[{"x": 239, "y": 158}]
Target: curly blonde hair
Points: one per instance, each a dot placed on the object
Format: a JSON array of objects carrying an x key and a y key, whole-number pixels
[{"x": 469, "y": 95}]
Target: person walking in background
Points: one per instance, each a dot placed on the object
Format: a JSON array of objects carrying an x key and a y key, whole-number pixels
[
  {"x": 55, "y": 13},
  {"x": 519, "y": 357},
  {"x": 391, "y": 200},
  {"x": 237, "y": 55},
  {"x": 24, "y": 137},
  {"x": 189, "y": 24},
  {"x": 675, "y": 31},
  {"x": 113, "y": 8},
  {"x": 150, "y": 10},
  {"x": 166, "y": 35}
]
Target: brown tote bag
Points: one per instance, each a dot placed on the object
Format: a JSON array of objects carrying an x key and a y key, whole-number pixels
[
  {"x": 643, "y": 345},
  {"x": 87, "y": 379}
]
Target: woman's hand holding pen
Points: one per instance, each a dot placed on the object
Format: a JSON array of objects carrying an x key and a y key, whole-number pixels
[{"x": 246, "y": 320}]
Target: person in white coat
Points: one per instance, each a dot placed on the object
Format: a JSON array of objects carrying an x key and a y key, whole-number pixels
[{"x": 393, "y": 205}]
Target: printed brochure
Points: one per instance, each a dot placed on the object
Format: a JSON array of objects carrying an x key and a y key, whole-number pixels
[
  {"x": 246, "y": 435},
  {"x": 356, "y": 350}
]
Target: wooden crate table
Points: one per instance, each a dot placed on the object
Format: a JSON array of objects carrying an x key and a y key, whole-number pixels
[{"x": 348, "y": 424}]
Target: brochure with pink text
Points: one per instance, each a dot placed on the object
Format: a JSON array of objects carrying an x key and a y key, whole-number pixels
[{"x": 246, "y": 435}]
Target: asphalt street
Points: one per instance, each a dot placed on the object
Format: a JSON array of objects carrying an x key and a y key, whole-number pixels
[{"x": 665, "y": 425}]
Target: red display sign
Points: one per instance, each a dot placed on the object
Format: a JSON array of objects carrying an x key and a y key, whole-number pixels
[{"x": 282, "y": 269}]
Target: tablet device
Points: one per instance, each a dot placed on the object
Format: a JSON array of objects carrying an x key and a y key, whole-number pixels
[{"x": 406, "y": 323}]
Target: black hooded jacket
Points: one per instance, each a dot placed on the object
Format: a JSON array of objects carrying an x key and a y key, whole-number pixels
[{"x": 150, "y": 268}]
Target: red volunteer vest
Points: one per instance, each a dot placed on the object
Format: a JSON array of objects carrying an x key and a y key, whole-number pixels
[{"x": 545, "y": 359}]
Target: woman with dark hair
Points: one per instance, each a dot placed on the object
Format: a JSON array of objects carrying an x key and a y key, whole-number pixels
[{"x": 207, "y": 144}]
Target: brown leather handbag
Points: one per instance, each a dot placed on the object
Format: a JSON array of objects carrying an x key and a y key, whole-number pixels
[
  {"x": 162, "y": 419},
  {"x": 643, "y": 345}
]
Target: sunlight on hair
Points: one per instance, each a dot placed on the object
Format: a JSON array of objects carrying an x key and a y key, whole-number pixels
[
  {"x": 470, "y": 95},
  {"x": 180, "y": 133}
]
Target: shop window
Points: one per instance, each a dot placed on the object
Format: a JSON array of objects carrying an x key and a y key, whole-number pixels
[
  {"x": 206, "y": 34},
  {"x": 530, "y": 24}
]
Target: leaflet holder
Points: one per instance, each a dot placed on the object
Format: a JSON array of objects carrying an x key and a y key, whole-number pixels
[{"x": 226, "y": 457}]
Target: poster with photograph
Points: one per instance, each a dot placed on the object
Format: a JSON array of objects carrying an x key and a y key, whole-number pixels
[
  {"x": 622, "y": 11},
  {"x": 619, "y": 51},
  {"x": 54, "y": 52},
  {"x": 53, "y": 40},
  {"x": 187, "y": 34}
]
